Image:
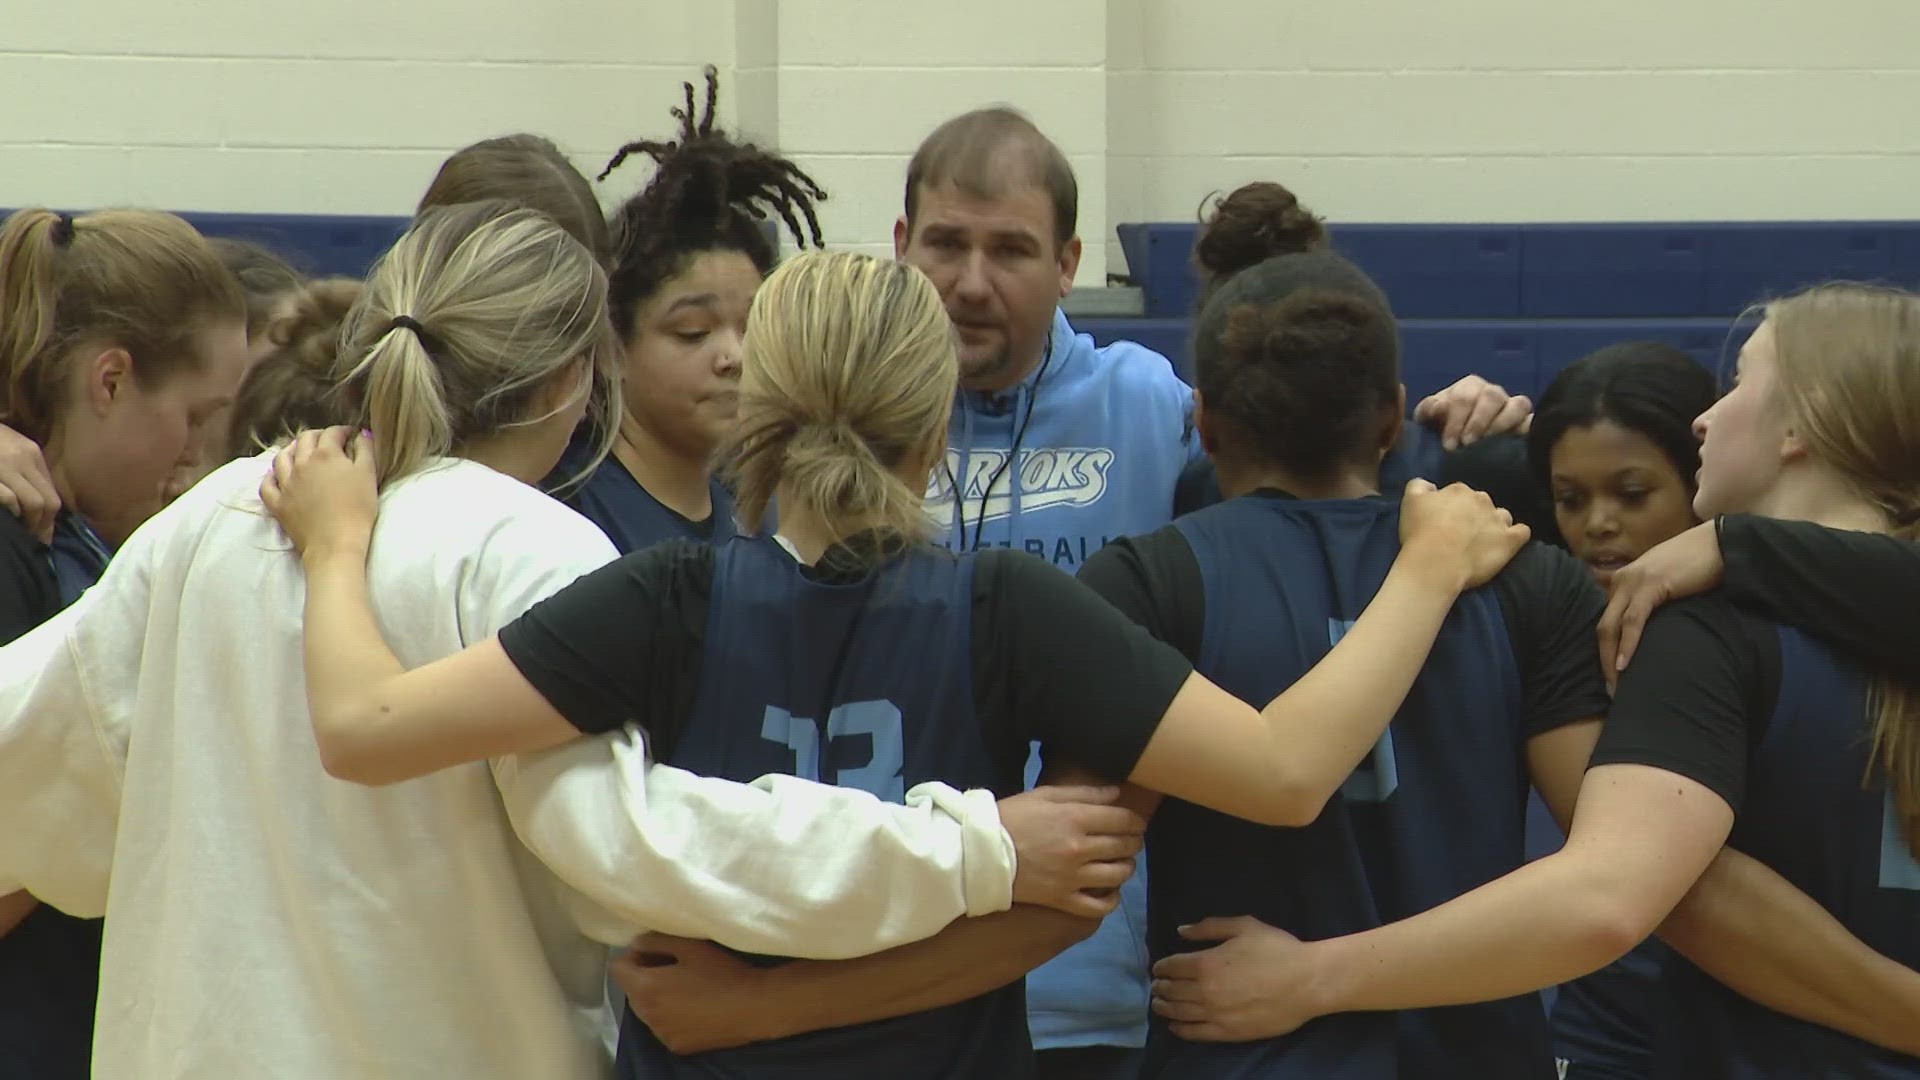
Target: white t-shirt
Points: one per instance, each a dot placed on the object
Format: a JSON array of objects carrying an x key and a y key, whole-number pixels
[{"x": 266, "y": 920}]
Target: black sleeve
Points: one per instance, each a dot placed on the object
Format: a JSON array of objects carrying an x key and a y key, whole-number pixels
[
  {"x": 1499, "y": 467},
  {"x": 29, "y": 594},
  {"x": 1065, "y": 669},
  {"x": 1553, "y": 609},
  {"x": 1859, "y": 592},
  {"x": 622, "y": 644},
  {"x": 1197, "y": 488},
  {"x": 1155, "y": 581},
  {"x": 1704, "y": 680}
]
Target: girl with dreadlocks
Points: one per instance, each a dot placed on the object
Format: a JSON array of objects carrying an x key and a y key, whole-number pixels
[{"x": 689, "y": 252}]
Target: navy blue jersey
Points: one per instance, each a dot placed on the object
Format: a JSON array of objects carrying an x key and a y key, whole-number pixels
[
  {"x": 50, "y": 962},
  {"x": 1439, "y": 808},
  {"x": 1807, "y": 813},
  {"x": 865, "y": 684},
  {"x": 1606, "y": 1023},
  {"x": 630, "y": 516}
]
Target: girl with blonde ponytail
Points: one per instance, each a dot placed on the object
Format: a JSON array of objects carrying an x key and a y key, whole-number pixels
[
  {"x": 157, "y": 762},
  {"x": 847, "y": 649}
]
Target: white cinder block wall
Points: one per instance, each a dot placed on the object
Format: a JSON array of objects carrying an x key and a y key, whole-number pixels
[
  {"x": 1375, "y": 110},
  {"x": 1524, "y": 110},
  {"x": 343, "y": 106}
]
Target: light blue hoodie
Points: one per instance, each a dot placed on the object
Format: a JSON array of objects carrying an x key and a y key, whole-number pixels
[{"x": 1102, "y": 435}]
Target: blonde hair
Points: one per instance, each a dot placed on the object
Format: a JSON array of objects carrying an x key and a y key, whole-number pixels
[
  {"x": 504, "y": 299},
  {"x": 292, "y": 388},
  {"x": 139, "y": 280},
  {"x": 1847, "y": 360},
  {"x": 848, "y": 375}
]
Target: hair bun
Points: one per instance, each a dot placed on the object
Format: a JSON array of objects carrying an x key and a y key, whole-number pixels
[{"x": 1253, "y": 224}]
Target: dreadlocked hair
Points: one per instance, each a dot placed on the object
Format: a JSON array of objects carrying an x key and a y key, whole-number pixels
[{"x": 708, "y": 193}]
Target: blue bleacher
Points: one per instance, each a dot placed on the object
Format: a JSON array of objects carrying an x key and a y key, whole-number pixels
[
  {"x": 317, "y": 244},
  {"x": 1517, "y": 303}
]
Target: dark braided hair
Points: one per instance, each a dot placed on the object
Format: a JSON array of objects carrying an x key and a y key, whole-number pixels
[{"x": 708, "y": 194}]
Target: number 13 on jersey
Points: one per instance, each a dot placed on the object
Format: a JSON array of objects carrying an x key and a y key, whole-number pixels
[{"x": 875, "y": 723}]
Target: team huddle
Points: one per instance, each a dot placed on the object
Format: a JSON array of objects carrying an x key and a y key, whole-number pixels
[{"x": 595, "y": 645}]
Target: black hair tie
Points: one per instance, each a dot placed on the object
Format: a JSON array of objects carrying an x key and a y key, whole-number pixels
[
  {"x": 62, "y": 234},
  {"x": 427, "y": 339}
]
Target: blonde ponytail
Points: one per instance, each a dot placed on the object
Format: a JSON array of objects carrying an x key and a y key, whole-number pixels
[
  {"x": 406, "y": 403},
  {"x": 847, "y": 380},
  {"x": 464, "y": 323}
]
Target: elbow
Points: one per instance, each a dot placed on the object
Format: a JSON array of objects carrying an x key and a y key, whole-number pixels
[
  {"x": 1610, "y": 926},
  {"x": 346, "y": 758},
  {"x": 1296, "y": 801},
  {"x": 1296, "y": 812},
  {"x": 354, "y": 768}
]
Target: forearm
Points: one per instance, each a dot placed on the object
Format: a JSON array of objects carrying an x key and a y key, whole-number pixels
[
  {"x": 1327, "y": 722},
  {"x": 346, "y": 655},
  {"x": 970, "y": 958},
  {"x": 1856, "y": 590},
  {"x": 1748, "y": 927},
  {"x": 1544, "y": 924},
  {"x": 780, "y": 866}
]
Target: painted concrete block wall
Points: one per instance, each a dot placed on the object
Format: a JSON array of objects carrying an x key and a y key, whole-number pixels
[
  {"x": 346, "y": 106},
  {"x": 859, "y": 83},
  {"x": 1375, "y": 110},
  {"x": 1519, "y": 110}
]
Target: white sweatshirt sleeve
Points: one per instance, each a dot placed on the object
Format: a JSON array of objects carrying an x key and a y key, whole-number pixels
[
  {"x": 780, "y": 866},
  {"x": 61, "y": 760}
]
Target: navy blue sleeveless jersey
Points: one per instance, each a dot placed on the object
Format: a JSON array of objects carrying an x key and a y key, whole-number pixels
[
  {"x": 865, "y": 684},
  {"x": 1438, "y": 810},
  {"x": 630, "y": 516},
  {"x": 740, "y": 662},
  {"x": 1779, "y": 725}
]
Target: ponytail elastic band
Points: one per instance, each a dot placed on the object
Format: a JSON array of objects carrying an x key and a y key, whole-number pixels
[
  {"x": 427, "y": 340},
  {"x": 62, "y": 234}
]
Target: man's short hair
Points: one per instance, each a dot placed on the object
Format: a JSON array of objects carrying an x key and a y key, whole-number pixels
[{"x": 990, "y": 152}]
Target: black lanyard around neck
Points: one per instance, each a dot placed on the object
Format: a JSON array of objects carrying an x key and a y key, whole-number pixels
[{"x": 1019, "y": 437}]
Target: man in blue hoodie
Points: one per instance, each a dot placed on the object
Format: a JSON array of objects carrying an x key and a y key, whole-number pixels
[{"x": 1056, "y": 447}]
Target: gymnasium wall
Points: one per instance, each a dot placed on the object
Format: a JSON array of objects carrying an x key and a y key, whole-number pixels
[
  {"x": 1523, "y": 110},
  {"x": 325, "y": 106},
  {"x": 1376, "y": 110}
]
